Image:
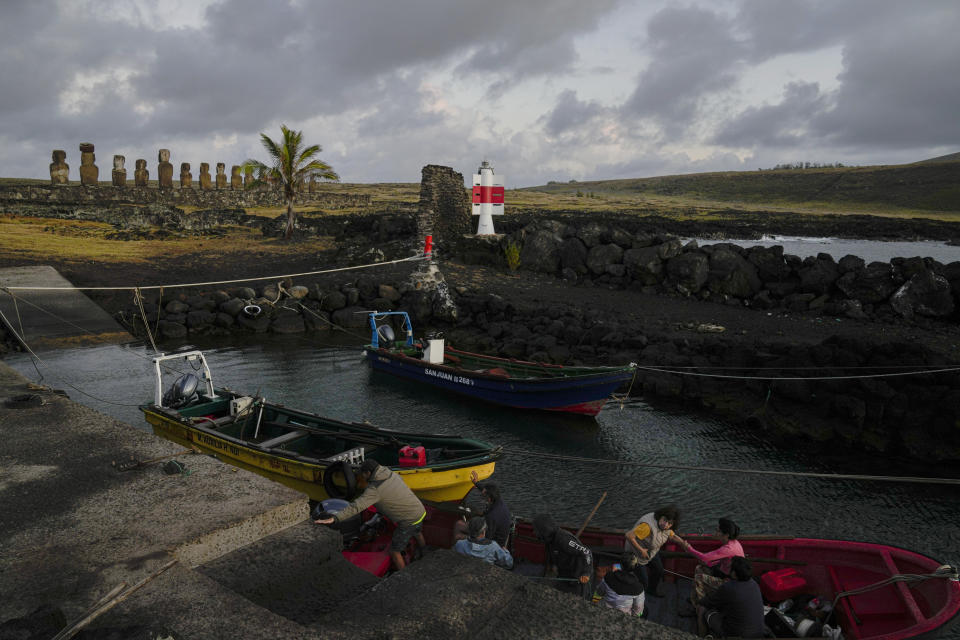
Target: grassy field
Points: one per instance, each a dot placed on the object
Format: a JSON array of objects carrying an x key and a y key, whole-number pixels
[
  {"x": 927, "y": 189},
  {"x": 72, "y": 241}
]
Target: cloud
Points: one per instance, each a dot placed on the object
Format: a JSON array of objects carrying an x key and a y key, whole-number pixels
[
  {"x": 694, "y": 53},
  {"x": 543, "y": 88},
  {"x": 570, "y": 113},
  {"x": 785, "y": 124}
]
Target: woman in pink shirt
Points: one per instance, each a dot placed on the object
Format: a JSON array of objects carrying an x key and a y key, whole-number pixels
[{"x": 714, "y": 566}]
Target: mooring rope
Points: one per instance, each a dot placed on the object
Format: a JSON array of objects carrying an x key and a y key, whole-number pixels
[
  {"x": 848, "y": 377},
  {"x": 673, "y": 467},
  {"x": 205, "y": 284}
]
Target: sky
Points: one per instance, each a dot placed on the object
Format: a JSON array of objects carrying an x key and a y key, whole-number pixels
[{"x": 543, "y": 89}]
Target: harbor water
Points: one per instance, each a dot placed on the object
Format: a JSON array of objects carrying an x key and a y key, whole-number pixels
[
  {"x": 641, "y": 456},
  {"x": 869, "y": 250}
]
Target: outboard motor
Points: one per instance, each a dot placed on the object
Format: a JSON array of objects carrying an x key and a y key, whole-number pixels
[
  {"x": 182, "y": 391},
  {"x": 385, "y": 333},
  {"x": 349, "y": 529}
]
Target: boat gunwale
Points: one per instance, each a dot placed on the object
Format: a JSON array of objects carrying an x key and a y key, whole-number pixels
[
  {"x": 483, "y": 456},
  {"x": 589, "y": 379}
]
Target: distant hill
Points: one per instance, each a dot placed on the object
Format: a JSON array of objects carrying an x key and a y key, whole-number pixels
[
  {"x": 932, "y": 185},
  {"x": 953, "y": 157}
]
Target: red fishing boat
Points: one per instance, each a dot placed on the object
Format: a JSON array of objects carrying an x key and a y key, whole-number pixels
[{"x": 867, "y": 591}]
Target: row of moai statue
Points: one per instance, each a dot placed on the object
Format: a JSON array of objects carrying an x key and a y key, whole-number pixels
[{"x": 89, "y": 173}]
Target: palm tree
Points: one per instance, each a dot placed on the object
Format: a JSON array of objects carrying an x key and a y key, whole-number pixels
[{"x": 290, "y": 166}]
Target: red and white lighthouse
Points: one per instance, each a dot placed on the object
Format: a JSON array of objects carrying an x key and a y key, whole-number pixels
[{"x": 487, "y": 198}]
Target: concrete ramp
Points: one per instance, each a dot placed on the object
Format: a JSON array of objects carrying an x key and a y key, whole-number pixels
[{"x": 55, "y": 314}]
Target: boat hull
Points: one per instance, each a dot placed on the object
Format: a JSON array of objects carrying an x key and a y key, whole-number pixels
[
  {"x": 582, "y": 395},
  {"x": 896, "y": 611},
  {"x": 439, "y": 485}
]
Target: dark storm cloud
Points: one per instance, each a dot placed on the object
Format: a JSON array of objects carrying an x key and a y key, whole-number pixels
[
  {"x": 570, "y": 113},
  {"x": 694, "y": 53},
  {"x": 784, "y": 124},
  {"x": 251, "y": 64},
  {"x": 899, "y": 86}
]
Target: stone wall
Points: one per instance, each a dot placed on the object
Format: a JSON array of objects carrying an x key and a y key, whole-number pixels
[
  {"x": 617, "y": 256},
  {"x": 11, "y": 195},
  {"x": 908, "y": 416}
]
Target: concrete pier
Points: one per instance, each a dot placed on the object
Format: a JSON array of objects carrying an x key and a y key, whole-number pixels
[{"x": 54, "y": 317}]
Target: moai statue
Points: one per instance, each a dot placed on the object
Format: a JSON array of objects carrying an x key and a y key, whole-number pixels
[
  {"x": 140, "y": 175},
  {"x": 205, "y": 176},
  {"x": 236, "y": 182},
  {"x": 88, "y": 171},
  {"x": 312, "y": 188},
  {"x": 164, "y": 170},
  {"x": 247, "y": 177},
  {"x": 221, "y": 176},
  {"x": 186, "y": 178},
  {"x": 59, "y": 169},
  {"x": 119, "y": 174}
]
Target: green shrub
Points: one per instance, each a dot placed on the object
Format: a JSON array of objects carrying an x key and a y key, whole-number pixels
[{"x": 511, "y": 252}]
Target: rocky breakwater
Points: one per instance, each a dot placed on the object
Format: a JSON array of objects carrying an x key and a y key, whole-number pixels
[
  {"x": 285, "y": 308},
  {"x": 594, "y": 254},
  {"x": 832, "y": 396}
]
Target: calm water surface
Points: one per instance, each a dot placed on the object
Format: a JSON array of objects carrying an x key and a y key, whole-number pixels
[
  {"x": 334, "y": 381},
  {"x": 869, "y": 250}
]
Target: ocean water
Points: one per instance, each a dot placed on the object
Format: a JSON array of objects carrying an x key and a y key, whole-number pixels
[
  {"x": 869, "y": 250},
  {"x": 642, "y": 456}
]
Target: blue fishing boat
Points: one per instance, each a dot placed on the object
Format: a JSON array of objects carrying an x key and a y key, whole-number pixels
[{"x": 504, "y": 381}]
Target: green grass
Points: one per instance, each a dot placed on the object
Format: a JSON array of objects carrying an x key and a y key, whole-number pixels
[{"x": 928, "y": 189}]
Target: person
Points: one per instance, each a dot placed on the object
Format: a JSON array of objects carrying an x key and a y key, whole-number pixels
[
  {"x": 480, "y": 546},
  {"x": 621, "y": 589},
  {"x": 714, "y": 566},
  {"x": 573, "y": 560},
  {"x": 498, "y": 517},
  {"x": 735, "y": 609},
  {"x": 394, "y": 499},
  {"x": 644, "y": 540}
]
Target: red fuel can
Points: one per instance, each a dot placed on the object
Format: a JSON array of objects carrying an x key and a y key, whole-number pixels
[
  {"x": 413, "y": 456},
  {"x": 782, "y": 584}
]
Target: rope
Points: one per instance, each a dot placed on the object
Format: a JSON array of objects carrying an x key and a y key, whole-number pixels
[
  {"x": 332, "y": 324},
  {"x": 796, "y": 474},
  {"x": 944, "y": 572},
  {"x": 857, "y": 377},
  {"x": 138, "y": 298},
  {"x": 205, "y": 284}
]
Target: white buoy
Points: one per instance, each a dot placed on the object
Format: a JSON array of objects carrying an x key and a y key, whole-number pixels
[{"x": 487, "y": 198}]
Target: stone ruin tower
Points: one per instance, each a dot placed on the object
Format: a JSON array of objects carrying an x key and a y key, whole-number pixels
[
  {"x": 444, "y": 213},
  {"x": 444, "y": 209}
]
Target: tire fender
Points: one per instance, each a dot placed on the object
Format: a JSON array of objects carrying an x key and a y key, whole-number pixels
[{"x": 342, "y": 467}]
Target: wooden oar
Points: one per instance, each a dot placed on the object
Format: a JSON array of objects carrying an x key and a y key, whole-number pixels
[{"x": 590, "y": 517}]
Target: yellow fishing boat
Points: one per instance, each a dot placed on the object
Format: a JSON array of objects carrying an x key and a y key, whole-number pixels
[{"x": 304, "y": 451}]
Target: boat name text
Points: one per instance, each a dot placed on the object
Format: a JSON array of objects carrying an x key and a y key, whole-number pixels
[{"x": 449, "y": 376}]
